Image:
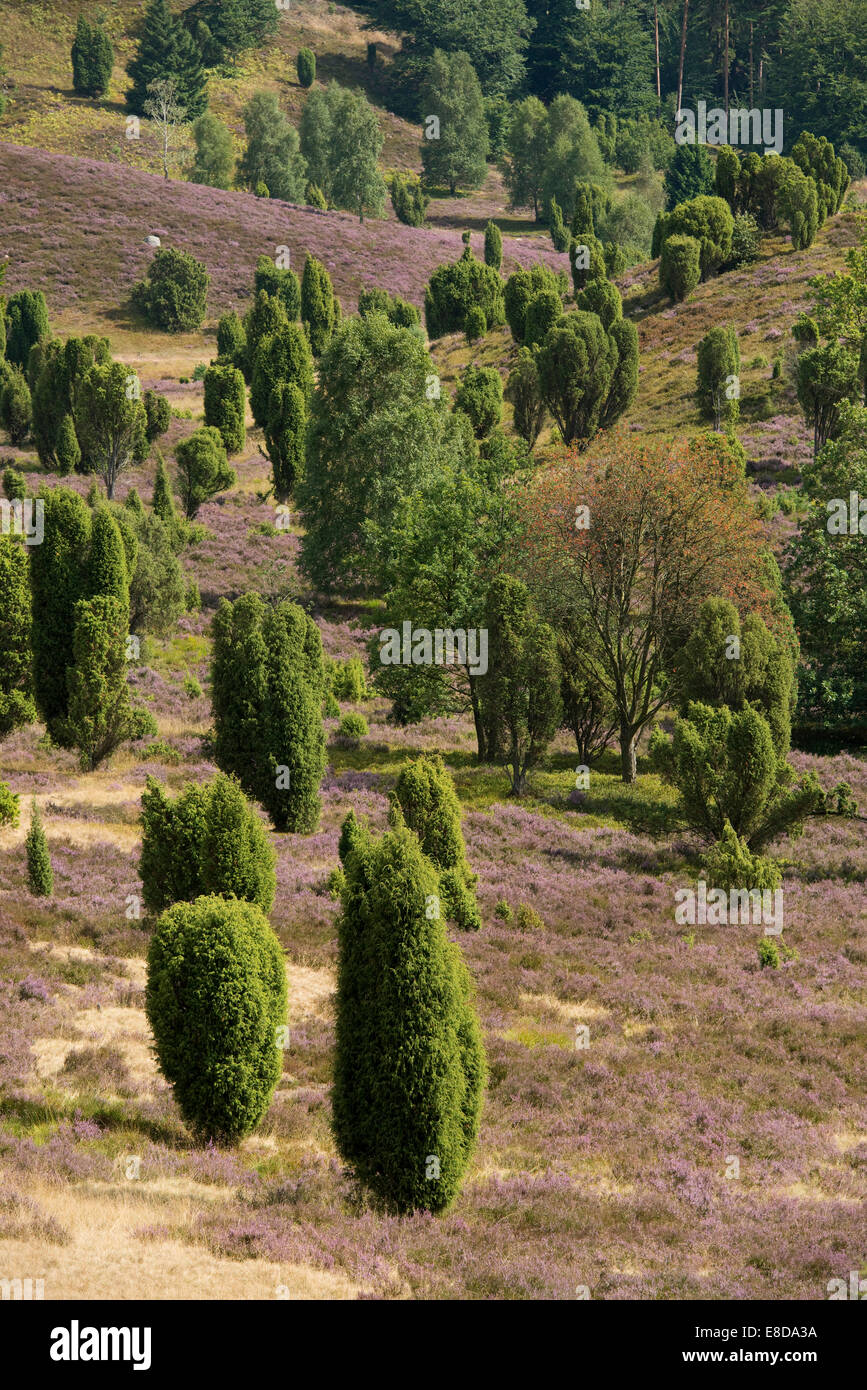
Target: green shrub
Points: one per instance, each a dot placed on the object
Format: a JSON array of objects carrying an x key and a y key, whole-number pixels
[
  {"x": 409, "y": 1066},
  {"x": 231, "y": 338},
  {"x": 602, "y": 299},
  {"x": 142, "y": 724},
  {"x": 159, "y": 415},
  {"x": 306, "y": 67},
  {"x": 40, "y": 877},
  {"x": 317, "y": 304},
  {"x": 225, "y": 405},
  {"x": 543, "y": 311},
  {"x": 203, "y": 468},
  {"x": 208, "y": 840},
  {"x": 16, "y": 408},
  {"x": 16, "y": 622},
  {"x": 267, "y": 689},
  {"x": 746, "y": 239},
  {"x": 680, "y": 265},
  {"x": 68, "y": 449},
  {"x": 689, "y": 175},
  {"x": 476, "y": 324},
  {"x": 192, "y": 689},
  {"x": 279, "y": 357},
  {"x": 710, "y": 221},
  {"x": 92, "y": 59},
  {"x": 279, "y": 283},
  {"x": 528, "y": 919},
  {"x": 854, "y": 161},
  {"x": 285, "y": 437},
  {"x": 729, "y": 864},
  {"x": 10, "y": 810},
  {"x": 408, "y": 200},
  {"x": 216, "y": 996},
  {"x": 346, "y": 679},
  {"x": 503, "y": 910},
  {"x": 493, "y": 245},
  {"x": 586, "y": 261},
  {"x": 453, "y": 290},
  {"x": 99, "y": 708},
  {"x": 315, "y": 198},
  {"x": 718, "y": 368},
  {"x": 14, "y": 485},
  {"x": 480, "y": 396},
  {"x": 520, "y": 288},
  {"x": 174, "y": 294},
  {"x": 425, "y": 797},
  {"x": 353, "y": 728},
  {"x": 769, "y": 954},
  {"x": 26, "y": 324}
]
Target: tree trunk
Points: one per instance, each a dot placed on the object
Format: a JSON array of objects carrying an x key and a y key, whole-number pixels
[
  {"x": 751, "y": 64},
  {"x": 682, "y": 54},
  {"x": 478, "y": 720},
  {"x": 628, "y": 761},
  {"x": 726, "y": 73},
  {"x": 656, "y": 45}
]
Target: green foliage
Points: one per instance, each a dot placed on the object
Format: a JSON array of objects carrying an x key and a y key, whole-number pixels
[
  {"x": 798, "y": 204},
  {"x": 16, "y": 409},
  {"x": 231, "y": 338},
  {"x": 278, "y": 358},
  {"x": 273, "y": 155},
  {"x": 40, "y": 877},
  {"x": 280, "y": 283},
  {"x": 729, "y": 864},
  {"x": 680, "y": 265},
  {"x": 409, "y": 1069},
  {"x": 587, "y": 377},
  {"x": 738, "y": 664},
  {"x": 110, "y": 420},
  {"x": 9, "y": 806},
  {"x": 602, "y": 299},
  {"x": 203, "y": 469},
  {"x": 719, "y": 365},
  {"x": 16, "y": 686},
  {"x": 159, "y": 415},
  {"x": 99, "y": 708},
  {"x": 725, "y": 768},
  {"x": 166, "y": 49},
  {"x": 521, "y": 690},
  {"x": 346, "y": 679},
  {"x": 314, "y": 197},
  {"x": 317, "y": 304},
  {"x": 768, "y": 953},
  {"x": 375, "y": 435},
  {"x": 854, "y": 161},
  {"x": 225, "y": 405},
  {"x": 726, "y": 176},
  {"x": 14, "y": 485},
  {"x": 476, "y": 324},
  {"x": 174, "y": 295},
  {"x": 710, "y": 221},
  {"x": 493, "y": 245},
  {"x": 408, "y": 200},
  {"x": 480, "y": 396},
  {"x": 589, "y": 710},
  {"x": 163, "y": 500},
  {"x": 558, "y": 228},
  {"x": 58, "y": 578},
  {"x": 208, "y": 840},
  {"x": 524, "y": 393},
  {"x": 216, "y": 996},
  {"x": 520, "y": 288},
  {"x": 341, "y": 143},
  {"x": 425, "y": 796},
  {"x": 453, "y": 290},
  {"x": 453, "y": 151},
  {"x": 268, "y": 684},
  {"x": 815, "y": 156},
  {"x": 306, "y": 67},
  {"x": 214, "y": 161},
  {"x": 689, "y": 175},
  {"x": 528, "y": 919},
  {"x": 746, "y": 240},
  {"x": 353, "y": 728},
  {"x": 826, "y": 377},
  {"x": 586, "y": 261},
  {"x": 397, "y": 311},
  {"x": 92, "y": 59},
  {"x": 285, "y": 436},
  {"x": 543, "y": 311},
  {"x": 157, "y": 595},
  {"x": 107, "y": 573}
]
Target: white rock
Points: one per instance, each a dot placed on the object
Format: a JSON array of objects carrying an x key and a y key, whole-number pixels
[{"x": 153, "y": 241}]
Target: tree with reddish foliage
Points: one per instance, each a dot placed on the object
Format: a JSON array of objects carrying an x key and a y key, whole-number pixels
[{"x": 622, "y": 546}]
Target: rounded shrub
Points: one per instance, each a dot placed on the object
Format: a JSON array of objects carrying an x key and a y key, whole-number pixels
[
  {"x": 216, "y": 996},
  {"x": 480, "y": 396},
  {"x": 68, "y": 449},
  {"x": 207, "y": 840},
  {"x": 477, "y": 324},
  {"x": 680, "y": 265},
  {"x": 174, "y": 294},
  {"x": 231, "y": 338},
  {"x": 159, "y": 415},
  {"x": 353, "y": 728}
]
